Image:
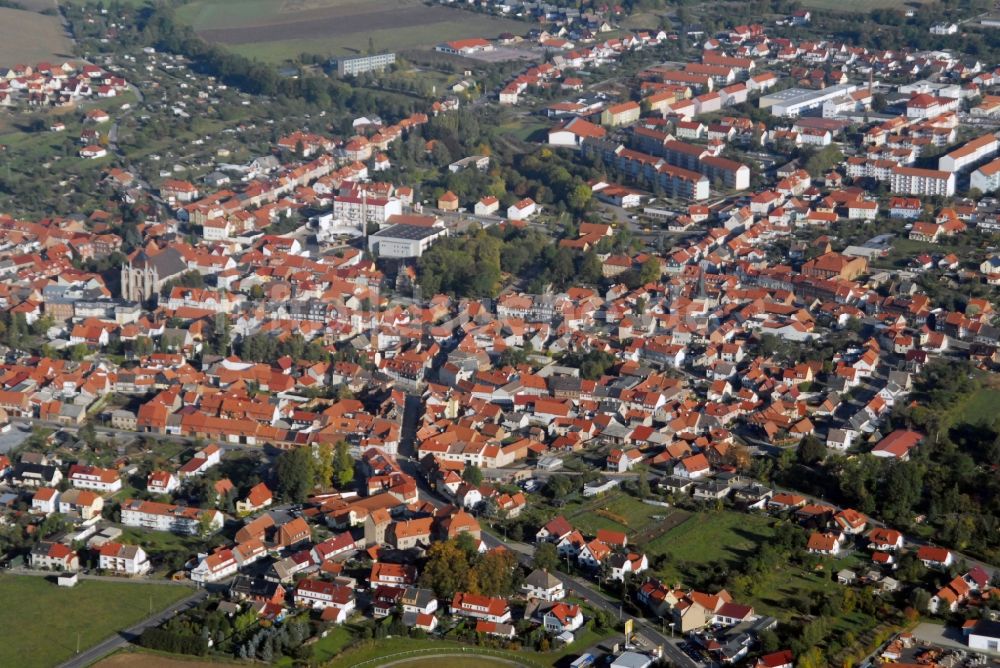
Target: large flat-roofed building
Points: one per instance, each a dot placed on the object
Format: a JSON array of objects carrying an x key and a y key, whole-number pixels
[
  {"x": 404, "y": 241},
  {"x": 354, "y": 65},
  {"x": 794, "y": 101}
]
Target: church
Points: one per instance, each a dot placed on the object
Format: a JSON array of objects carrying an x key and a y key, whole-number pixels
[{"x": 146, "y": 272}]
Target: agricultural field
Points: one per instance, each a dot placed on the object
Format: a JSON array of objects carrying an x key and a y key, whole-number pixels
[
  {"x": 275, "y": 31},
  {"x": 38, "y": 38},
  {"x": 38, "y": 5},
  {"x": 34, "y": 636}
]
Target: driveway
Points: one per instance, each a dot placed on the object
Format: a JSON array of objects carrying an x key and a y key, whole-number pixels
[{"x": 940, "y": 635}]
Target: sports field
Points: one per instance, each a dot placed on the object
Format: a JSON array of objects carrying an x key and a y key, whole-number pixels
[
  {"x": 29, "y": 37},
  {"x": 276, "y": 30},
  {"x": 41, "y": 621}
]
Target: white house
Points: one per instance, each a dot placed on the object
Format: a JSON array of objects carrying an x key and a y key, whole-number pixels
[
  {"x": 593, "y": 554},
  {"x": 693, "y": 467},
  {"x": 935, "y": 557},
  {"x": 123, "y": 559},
  {"x": 202, "y": 460},
  {"x": 487, "y": 206},
  {"x": 623, "y": 565},
  {"x": 522, "y": 210},
  {"x": 45, "y": 500},
  {"x": 321, "y": 595},
  {"x": 168, "y": 517},
  {"x": 543, "y": 585},
  {"x": 487, "y": 608},
  {"x": 574, "y": 132},
  {"x": 162, "y": 482},
  {"x": 563, "y": 617},
  {"x": 105, "y": 481},
  {"x": 621, "y": 461},
  {"x": 214, "y": 567},
  {"x": 944, "y": 29}
]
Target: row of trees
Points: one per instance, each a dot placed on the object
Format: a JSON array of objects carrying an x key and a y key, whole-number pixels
[
  {"x": 456, "y": 566},
  {"x": 300, "y": 471},
  {"x": 266, "y": 348}
]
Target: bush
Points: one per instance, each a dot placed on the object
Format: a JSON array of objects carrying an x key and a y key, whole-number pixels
[{"x": 175, "y": 643}]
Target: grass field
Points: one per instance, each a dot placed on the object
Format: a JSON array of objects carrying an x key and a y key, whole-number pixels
[
  {"x": 713, "y": 537},
  {"x": 860, "y": 5},
  {"x": 40, "y": 621},
  {"x": 980, "y": 407},
  {"x": 392, "y": 649},
  {"x": 333, "y": 644},
  {"x": 275, "y": 30},
  {"x": 617, "y": 512},
  {"x": 454, "y": 662},
  {"x": 130, "y": 659},
  {"x": 29, "y": 37}
]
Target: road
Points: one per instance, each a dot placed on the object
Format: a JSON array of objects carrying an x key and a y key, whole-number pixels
[
  {"x": 122, "y": 638},
  {"x": 587, "y": 591},
  {"x": 649, "y": 633}
]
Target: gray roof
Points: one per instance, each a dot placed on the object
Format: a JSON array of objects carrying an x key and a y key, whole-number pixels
[
  {"x": 541, "y": 579},
  {"x": 632, "y": 660},
  {"x": 167, "y": 263},
  {"x": 408, "y": 232}
]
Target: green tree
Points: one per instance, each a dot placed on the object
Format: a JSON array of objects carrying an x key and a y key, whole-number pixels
[
  {"x": 579, "y": 198},
  {"x": 497, "y": 572},
  {"x": 590, "y": 270},
  {"x": 650, "y": 271},
  {"x": 323, "y": 465},
  {"x": 205, "y": 527},
  {"x": 811, "y": 451},
  {"x": 447, "y": 570},
  {"x": 343, "y": 465},
  {"x": 295, "y": 474},
  {"x": 546, "y": 557},
  {"x": 473, "y": 475}
]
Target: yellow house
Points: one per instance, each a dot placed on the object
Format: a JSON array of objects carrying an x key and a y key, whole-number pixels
[{"x": 621, "y": 114}]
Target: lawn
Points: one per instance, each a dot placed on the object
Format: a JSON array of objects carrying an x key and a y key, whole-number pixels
[
  {"x": 710, "y": 537},
  {"x": 41, "y": 622},
  {"x": 980, "y": 408},
  {"x": 377, "y": 649},
  {"x": 860, "y": 5},
  {"x": 454, "y": 662},
  {"x": 160, "y": 543},
  {"x": 278, "y": 31},
  {"x": 333, "y": 644},
  {"x": 617, "y": 512},
  {"x": 389, "y": 647},
  {"x": 134, "y": 657}
]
